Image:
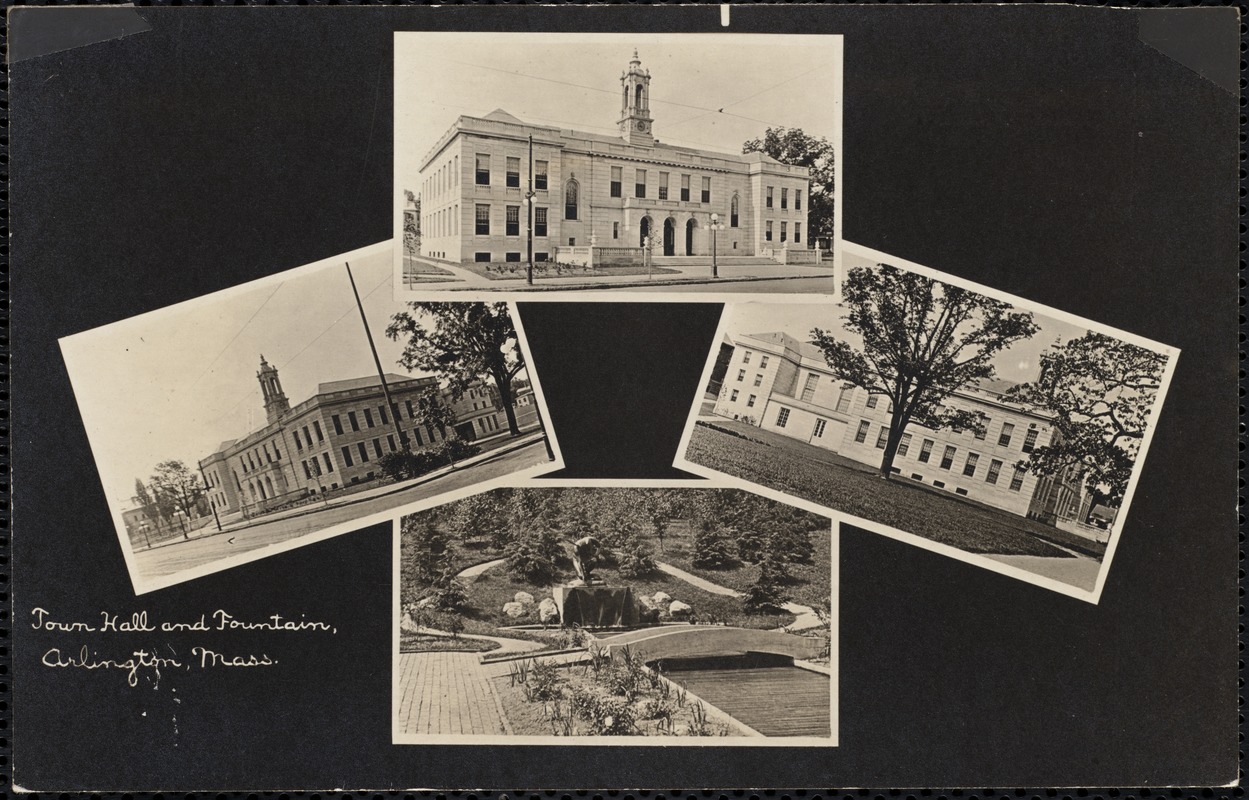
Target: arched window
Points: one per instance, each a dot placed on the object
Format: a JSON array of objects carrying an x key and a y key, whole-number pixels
[
  {"x": 733, "y": 206},
  {"x": 637, "y": 95},
  {"x": 570, "y": 200}
]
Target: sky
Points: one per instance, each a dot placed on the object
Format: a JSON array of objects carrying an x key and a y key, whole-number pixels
[
  {"x": 175, "y": 383},
  {"x": 573, "y": 81}
]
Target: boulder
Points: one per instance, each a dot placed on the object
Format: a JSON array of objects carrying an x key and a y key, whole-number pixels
[
  {"x": 661, "y": 598},
  {"x": 548, "y": 612},
  {"x": 679, "y": 610},
  {"x": 515, "y": 610},
  {"x": 406, "y": 623},
  {"x": 524, "y": 598}
]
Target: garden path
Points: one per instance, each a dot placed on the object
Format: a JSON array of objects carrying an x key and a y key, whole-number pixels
[
  {"x": 805, "y": 616},
  {"x": 447, "y": 694},
  {"x": 506, "y": 645}
]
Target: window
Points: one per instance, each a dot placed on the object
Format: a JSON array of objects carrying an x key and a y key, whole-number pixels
[
  {"x": 925, "y": 450},
  {"x": 782, "y": 417},
  {"x": 767, "y": 231},
  {"x": 307, "y": 472},
  {"x": 539, "y": 175},
  {"x": 767, "y": 203},
  {"x": 483, "y": 169},
  {"x": 979, "y": 434},
  {"x": 706, "y": 190},
  {"x": 411, "y": 411},
  {"x": 808, "y": 388},
  {"x": 733, "y": 209},
  {"x": 512, "y": 227},
  {"x": 663, "y": 186},
  {"x": 329, "y": 465},
  {"x": 639, "y": 183},
  {"x": 416, "y": 434},
  {"x": 616, "y": 179},
  {"x": 381, "y": 413},
  {"x": 685, "y": 187},
  {"x": 750, "y": 403},
  {"x": 871, "y": 400},
  {"x": 390, "y": 441},
  {"x": 860, "y": 435},
  {"x": 316, "y": 426},
  {"x": 513, "y": 256},
  {"x": 540, "y": 257},
  {"x": 797, "y": 232},
  {"x": 784, "y": 197},
  {"x": 364, "y": 452},
  {"x": 483, "y": 220},
  {"x": 969, "y": 469},
  {"x": 615, "y": 230},
  {"x": 784, "y": 231},
  {"x": 733, "y": 397},
  {"x": 882, "y": 437},
  {"x": 539, "y": 221},
  {"x": 1003, "y": 438},
  {"x": 995, "y": 469},
  {"x": 307, "y": 436},
  {"x": 1016, "y": 480},
  {"x": 947, "y": 458},
  {"x": 746, "y": 357},
  {"x": 355, "y": 423},
  {"x": 758, "y": 380},
  {"x": 570, "y": 200},
  {"x": 763, "y": 362},
  {"x": 741, "y": 375},
  {"x": 347, "y": 457},
  {"x": 1029, "y": 441},
  {"x": 797, "y": 205},
  {"x": 298, "y": 444},
  {"x": 368, "y": 418},
  {"x": 377, "y": 447},
  {"x": 820, "y": 424},
  {"x": 338, "y": 424},
  {"x": 481, "y": 257},
  {"x": 513, "y": 172},
  {"x": 843, "y": 400},
  {"x": 904, "y": 444}
]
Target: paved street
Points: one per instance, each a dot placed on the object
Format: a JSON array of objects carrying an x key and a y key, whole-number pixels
[
  {"x": 447, "y": 694},
  {"x": 186, "y": 555}
]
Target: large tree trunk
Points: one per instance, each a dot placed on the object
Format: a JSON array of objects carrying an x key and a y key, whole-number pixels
[
  {"x": 504, "y": 384},
  {"x": 897, "y": 427}
]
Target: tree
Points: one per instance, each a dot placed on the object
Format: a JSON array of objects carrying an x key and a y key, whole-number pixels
[
  {"x": 145, "y": 501},
  {"x": 533, "y": 551},
  {"x": 792, "y": 146},
  {"x": 411, "y": 225},
  {"x": 463, "y": 343},
  {"x": 433, "y": 411},
  {"x": 478, "y": 517},
  {"x": 713, "y": 548},
  {"x": 177, "y": 487},
  {"x": 922, "y": 340},
  {"x": 1101, "y": 391}
]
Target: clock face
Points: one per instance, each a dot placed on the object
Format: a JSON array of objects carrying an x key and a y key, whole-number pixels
[{"x": 642, "y": 126}]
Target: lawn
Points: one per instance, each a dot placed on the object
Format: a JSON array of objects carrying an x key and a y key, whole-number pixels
[
  {"x": 822, "y": 477},
  {"x": 421, "y": 272},
  {"x": 410, "y": 642}
]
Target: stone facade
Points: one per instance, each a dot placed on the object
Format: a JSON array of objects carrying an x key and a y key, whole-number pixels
[
  {"x": 777, "y": 383},
  {"x": 593, "y": 189}
]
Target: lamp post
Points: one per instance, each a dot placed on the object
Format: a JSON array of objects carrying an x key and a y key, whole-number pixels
[
  {"x": 529, "y": 217},
  {"x": 715, "y": 227}
]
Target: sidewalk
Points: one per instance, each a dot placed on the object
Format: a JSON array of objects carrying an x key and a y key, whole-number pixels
[{"x": 447, "y": 694}]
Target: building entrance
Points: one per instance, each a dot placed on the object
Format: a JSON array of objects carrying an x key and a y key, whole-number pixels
[
  {"x": 670, "y": 237},
  {"x": 645, "y": 230},
  {"x": 689, "y": 237}
]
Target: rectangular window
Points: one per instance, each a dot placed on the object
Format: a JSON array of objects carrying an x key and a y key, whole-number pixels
[
  {"x": 316, "y": 426},
  {"x": 843, "y": 400},
  {"x": 995, "y": 469},
  {"x": 639, "y": 183},
  {"x": 540, "y": 257},
  {"x": 539, "y": 174},
  {"x": 513, "y": 256},
  {"x": 513, "y": 221},
  {"x": 745, "y": 356},
  {"x": 513, "y": 172},
  {"x": 307, "y": 472},
  {"x": 882, "y": 437},
  {"x": 416, "y": 434},
  {"x": 797, "y": 206},
  {"x": 904, "y": 444},
  {"x": 307, "y": 437},
  {"x": 860, "y": 435},
  {"x": 784, "y": 197},
  {"x": 782, "y": 417},
  {"x": 741, "y": 375},
  {"x": 355, "y": 423},
  {"x": 338, "y": 424},
  {"x": 616, "y": 180},
  {"x": 969, "y": 469},
  {"x": 979, "y": 434},
  {"x": 411, "y": 411},
  {"x": 381, "y": 413},
  {"x": 758, "y": 380},
  {"x": 329, "y": 465},
  {"x": 390, "y": 441},
  {"x": 767, "y": 203},
  {"x": 377, "y": 447},
  {"x": 481, "y": 257},
  {"x": 663, "y": 186},
  {"x": 820, "y": 424},
  {"x": 1029, "y": 442},
  {"x": 364, "y": 452},
  {"x": 539, "y": 221},
  {"x": 706, "y": 190},
  {"x": 733, "y": 397},
  {"x": 925, "y": 450},
  {"x": 483, "y": 169},
  {"x": 368, "y": 418},
  {"x": 299, "y": 445},
  {"x": 615, "y": 230},
  {"x": 763, "y": 362},
  {"x": 685, "y": 187},
  {"x": 784, "y": 231},
  {"x": 347, "y": 456},
  {"x": 797, "y": 232},
  {"x": 808, "y": 388},
  {"x": 1016, "y": 480},
  {"x": 750, "y": 403},
  {"x": 767, "y": 231},
  {"x": 947, "y": 458},
  {"x": 1003, "y": 438},
  {"x": 871, "y": 400}
]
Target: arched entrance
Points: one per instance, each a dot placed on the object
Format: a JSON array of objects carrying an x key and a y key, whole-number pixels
[
  {"x": 670, "y": 237},
  {"x": 690, "y": 227},
  {"x": 644, "y": 229}
]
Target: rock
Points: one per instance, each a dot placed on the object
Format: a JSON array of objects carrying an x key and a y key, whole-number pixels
[
  {"x": 679, "y": 610},
  {"x": 523, "y": 597},
  {"x": 648, "y": 603},
  {"x": 548, "y": 612},
  {"x": 661, "y": 598},
  {"x": 515, "y": 610},
  {"x": 406, "y": 623},
  {"x": 426, "y": 602}
]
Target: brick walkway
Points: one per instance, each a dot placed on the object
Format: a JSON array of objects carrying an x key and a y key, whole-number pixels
[{"x": 447, "y": 694}]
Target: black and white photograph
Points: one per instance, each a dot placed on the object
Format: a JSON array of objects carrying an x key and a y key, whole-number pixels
[
  {"x": 604, "y": 163},
  {"x": 946, "y": 414},
  {"x": 651, "y": 613},
  {"x": 298, "y": 407}
]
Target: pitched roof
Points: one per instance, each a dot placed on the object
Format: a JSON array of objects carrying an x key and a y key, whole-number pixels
[
  {"x": 804, "y": 349},
  {"x": 366, "y": 382},
  {"x": 499, "y": 115}
]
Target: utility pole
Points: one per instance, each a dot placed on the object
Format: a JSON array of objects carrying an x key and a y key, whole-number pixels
[
  {"x": 529, "y": 216},
  {"x": 381, "y": 376}
]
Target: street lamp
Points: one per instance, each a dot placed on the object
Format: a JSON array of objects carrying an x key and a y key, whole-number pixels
[
  {"x": 715, "y": 227},
  {"x": 529, "y": 193}
]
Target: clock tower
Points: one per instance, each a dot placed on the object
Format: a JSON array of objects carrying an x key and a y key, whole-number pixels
[{"x": 635, "y": 116}]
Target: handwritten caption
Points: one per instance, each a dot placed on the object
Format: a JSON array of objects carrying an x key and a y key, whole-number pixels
[{"x": 148, "y": 661}]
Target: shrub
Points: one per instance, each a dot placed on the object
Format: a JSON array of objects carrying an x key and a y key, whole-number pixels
[
  {"x": 765, "y": 594},
  {"x": 713, "y": 549},
  {"x": 635, "y": 560},
  {"x": 532, "y": 557},
  {"x": 542, "y": 682},
  {"x": 455, "y": 449}
]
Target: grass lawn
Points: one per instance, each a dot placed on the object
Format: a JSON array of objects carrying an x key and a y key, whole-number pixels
[
  {"x": 410, "y": 642},
  {"x": 823, "y": 477}
]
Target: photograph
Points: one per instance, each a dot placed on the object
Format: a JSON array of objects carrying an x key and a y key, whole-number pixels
[
  {"x": 591, "y": 612},
  {"x": 297, "y": 407},
  {"x": 652, "y": 164},
  {"x": 939, "y": 412}
]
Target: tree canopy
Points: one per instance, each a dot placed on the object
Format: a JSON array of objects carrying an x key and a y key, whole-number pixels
[
  {"x": 176, "y": 487},
  {"x": 793, "y": 146},
  {"x": 1101, "y": 391},
  {"x": 921, "y": 341}
]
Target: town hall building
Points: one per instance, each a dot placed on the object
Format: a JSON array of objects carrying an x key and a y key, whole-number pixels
[{"x": 616, "y": 193}]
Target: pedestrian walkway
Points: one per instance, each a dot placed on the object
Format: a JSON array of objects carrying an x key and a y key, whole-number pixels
[
  {"x": 447, "y": 694},
  {"x": 805, "y": 616}
]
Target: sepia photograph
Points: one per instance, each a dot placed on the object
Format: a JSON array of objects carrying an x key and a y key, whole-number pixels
[
  {"x": 690, "y": 164},
  {"x": 942, "y": 413},
  {"x": 298, "y": 407},
  {"x": 656, "y": 612}
]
